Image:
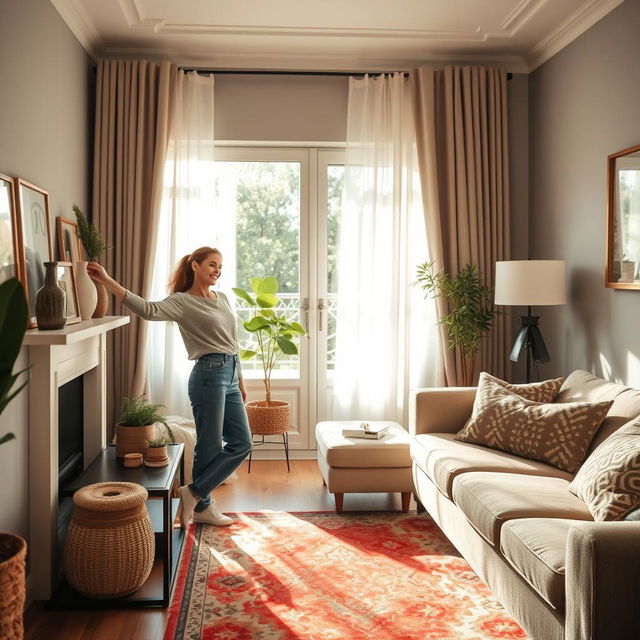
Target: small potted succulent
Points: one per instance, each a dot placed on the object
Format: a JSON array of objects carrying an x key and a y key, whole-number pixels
[
  {"x": 156, "y": 454},
  {"x": 275, "y": 337},
  {"x": 137, "y": 426}
]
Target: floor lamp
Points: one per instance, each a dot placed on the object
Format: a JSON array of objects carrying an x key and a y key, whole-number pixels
[{"x": 530, "y": 283}]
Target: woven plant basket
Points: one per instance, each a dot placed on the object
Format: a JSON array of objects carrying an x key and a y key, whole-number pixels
[
  {"x": 13, "y": 550},
  {"x": 110, "y": 546},
  {"x": 133, "y": 439},
  {"x": 268, "y": 419}
]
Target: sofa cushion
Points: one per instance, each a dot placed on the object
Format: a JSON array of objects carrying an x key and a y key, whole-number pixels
[
  {"x": 609, "y": 480},
  {"x": 558, "y": 434},
  {"x": 581, "y": 386},
  {"x": 488, "y": 500},
  {"x": 443, "y": 458},
  {"x": 536, "y": 549}
]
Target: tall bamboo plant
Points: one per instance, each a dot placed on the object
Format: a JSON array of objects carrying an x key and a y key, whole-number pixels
[
  {"x": 274, "y": 334},
  {"x": 14, "y": 317},
  {"x": 470, "y": 310}
]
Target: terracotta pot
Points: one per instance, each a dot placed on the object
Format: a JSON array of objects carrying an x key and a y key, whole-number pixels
[
  {"x": 156, "y": 457},
  {"x": 13, "y": 550},
  {"x": 133, "y": 439},
  {"x": 51, "y": 301},
  {"x": 103, "y": 301},
  {"x": 268, "y": 419}
]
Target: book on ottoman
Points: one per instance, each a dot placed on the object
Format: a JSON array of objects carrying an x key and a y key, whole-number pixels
[{"x": 366, "y": 430}]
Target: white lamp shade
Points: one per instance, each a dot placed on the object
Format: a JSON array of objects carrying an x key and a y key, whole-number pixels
[{"x": 530, "y": 283}]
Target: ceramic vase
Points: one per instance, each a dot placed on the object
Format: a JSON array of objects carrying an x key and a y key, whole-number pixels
[
  {"x": 87, "y": 294},
  {"x": 51, "y": 301},
  {"x": 103, "y": 301}
]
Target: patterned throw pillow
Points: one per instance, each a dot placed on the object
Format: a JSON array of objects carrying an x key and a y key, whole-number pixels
[
  {"x": 609, "y": 480},
  {"x": 556, "y": 433},
  {"x": 544, "y": 391}
]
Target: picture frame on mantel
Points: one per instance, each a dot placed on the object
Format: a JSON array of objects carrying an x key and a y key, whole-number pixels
[
  {"x": 34, "y": 239},
  {"x": 65, "y": 275},
  {"x": 68, "y": 241},
  {"x": 622, "y": 269},
  {"x": 9, "y": 263}
]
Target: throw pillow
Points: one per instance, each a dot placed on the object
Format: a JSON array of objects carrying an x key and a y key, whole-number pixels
[
  {"x": 556, "y": 433},
  {"x": 544, "y": 391},
  {"x": 609, "y": 480}
]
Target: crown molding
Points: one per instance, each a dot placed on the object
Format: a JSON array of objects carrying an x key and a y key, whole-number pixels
[
  {"x": 80, "y": 24},
  {"x": 568, "y": 31}
]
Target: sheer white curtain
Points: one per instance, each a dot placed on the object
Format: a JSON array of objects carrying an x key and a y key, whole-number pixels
[
  {"x": 189, "y": 219},
  {"x": 386, "y": 336}
]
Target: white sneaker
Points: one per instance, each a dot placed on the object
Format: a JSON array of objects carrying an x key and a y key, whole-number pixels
[
  {"x": 212, "y": 516},
  {"x": 187, "y": 502},
  {"x": 232, "y": 478}
]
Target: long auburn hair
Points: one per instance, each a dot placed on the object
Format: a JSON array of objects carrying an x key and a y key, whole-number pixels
[{"x": 182, "y": 277}]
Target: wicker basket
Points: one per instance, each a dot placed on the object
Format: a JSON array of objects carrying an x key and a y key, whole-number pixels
[
  {"x": 268, "y": 419},
  {"x": 110, "y": 546},
  {"x": 13, "y": 550}
]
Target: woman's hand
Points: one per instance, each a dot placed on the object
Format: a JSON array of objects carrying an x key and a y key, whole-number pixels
[
  {"x": 243, "y": 390},
  {"x": 97, "y": 272}
]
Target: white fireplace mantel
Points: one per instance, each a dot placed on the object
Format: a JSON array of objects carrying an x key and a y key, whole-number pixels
[{"x": 57, "y": 357}]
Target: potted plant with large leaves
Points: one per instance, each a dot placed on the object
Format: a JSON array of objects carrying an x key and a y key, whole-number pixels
[
  {"x": 93, "y": 298},
  {"x": 275, "y": 337},
  {"x": 470, "y": 310},
  {"x": 14, "y": 317}
]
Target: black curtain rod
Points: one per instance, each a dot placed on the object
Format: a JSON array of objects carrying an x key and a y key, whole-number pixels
[{"x": 296, "y": 73}]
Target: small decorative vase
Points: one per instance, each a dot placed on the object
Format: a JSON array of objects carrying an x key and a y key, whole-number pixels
[
  {"x": 51, "y": 301},
  {"x": 103, "y": 301},
  {"x": 87, "y": 294}
]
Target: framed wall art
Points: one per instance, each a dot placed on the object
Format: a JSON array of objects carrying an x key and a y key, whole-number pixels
[
  {"x": 66, "y": 277},
  {"x": 622, "y": 269},
  {"x": 8, "y": 231},
  {"x": 34, "y": 239},
  {"x": 68, "y": 241}
]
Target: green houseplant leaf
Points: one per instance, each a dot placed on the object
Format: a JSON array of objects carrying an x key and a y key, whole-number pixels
[
  {"x": 273, "y": 333},
  {"x": 93, "y": 243},
  {"x": 139, "y": 412},
  {"x": 14, "y": 318}
]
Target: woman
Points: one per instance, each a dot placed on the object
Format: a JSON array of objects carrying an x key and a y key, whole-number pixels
[{"x": 216, "y": 386}]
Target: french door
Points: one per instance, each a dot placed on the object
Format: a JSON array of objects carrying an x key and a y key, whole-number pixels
[{"x": 283, "y": 206}]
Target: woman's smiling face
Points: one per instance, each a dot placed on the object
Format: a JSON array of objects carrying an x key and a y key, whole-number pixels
[{"x": 209, "y": 270}]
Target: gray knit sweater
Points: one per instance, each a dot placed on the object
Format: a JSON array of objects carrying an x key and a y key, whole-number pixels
[{"x": 207, "y": 325}]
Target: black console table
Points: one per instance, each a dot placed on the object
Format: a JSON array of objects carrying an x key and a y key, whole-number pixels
[{"x": 158, "y": 481}]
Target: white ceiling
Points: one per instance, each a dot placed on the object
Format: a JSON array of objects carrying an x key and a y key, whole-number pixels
[{"x": 331, "y": 35}]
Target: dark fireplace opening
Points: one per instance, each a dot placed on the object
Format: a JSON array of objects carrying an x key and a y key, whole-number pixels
[{"x": 70, "y": 459}]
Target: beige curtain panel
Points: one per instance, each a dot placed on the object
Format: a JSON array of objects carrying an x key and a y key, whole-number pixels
[
  {"x": 462, "y": 138},
  {"x": 132, "y": 121}
]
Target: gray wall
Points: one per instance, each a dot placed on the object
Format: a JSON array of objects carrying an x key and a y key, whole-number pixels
[
  {"x": 584, "y": 105},
  {"x": 45, "y": 119}
]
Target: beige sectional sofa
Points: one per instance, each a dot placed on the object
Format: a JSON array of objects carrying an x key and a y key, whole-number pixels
[{"x": 534, "y": 543}]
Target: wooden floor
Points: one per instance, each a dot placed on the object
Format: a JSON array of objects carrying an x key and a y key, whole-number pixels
[{"x": 267, "y": 487}]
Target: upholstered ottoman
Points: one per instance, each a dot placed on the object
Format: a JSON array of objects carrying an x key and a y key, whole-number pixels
[{"x": 359, "y": 465}]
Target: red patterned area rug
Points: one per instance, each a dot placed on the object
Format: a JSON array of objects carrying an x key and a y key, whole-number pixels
[{"x": 322, "y": 576}]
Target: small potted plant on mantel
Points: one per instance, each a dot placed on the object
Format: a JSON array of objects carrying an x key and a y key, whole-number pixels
[
  {"x": 137, "y": 426},
  {"x": 275, "y": 337},
  {"x": 14, "y": 316},
  {"x": 93, "y": 298}
]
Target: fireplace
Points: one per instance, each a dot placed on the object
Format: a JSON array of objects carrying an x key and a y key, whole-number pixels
[{"x": 67, "y": 430}]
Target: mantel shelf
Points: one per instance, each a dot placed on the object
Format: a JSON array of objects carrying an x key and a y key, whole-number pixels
[{"x": 74, "y": 333}]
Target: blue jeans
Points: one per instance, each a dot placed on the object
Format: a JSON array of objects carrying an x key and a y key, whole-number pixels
[{"x": 219, "y": 415}]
